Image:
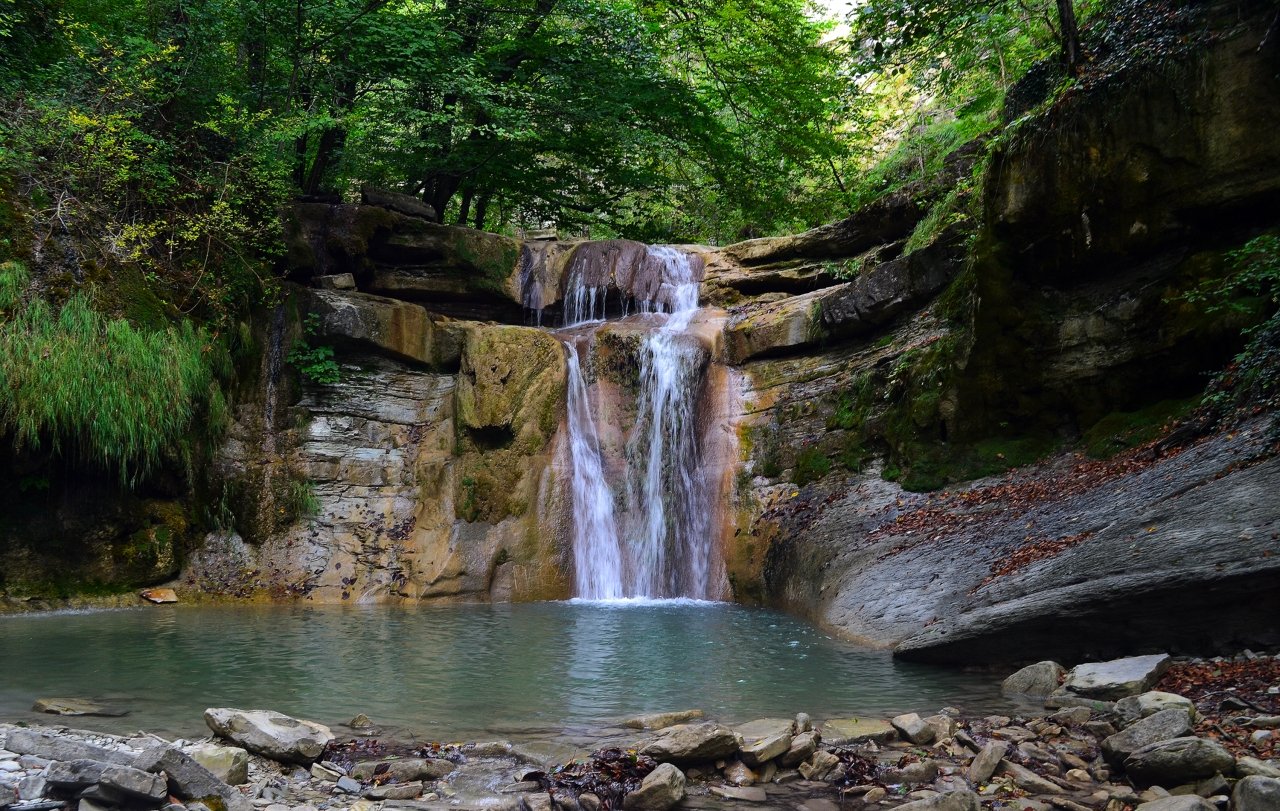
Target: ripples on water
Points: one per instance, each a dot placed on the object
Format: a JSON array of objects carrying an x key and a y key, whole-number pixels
[{"x": 460, "y": 672}]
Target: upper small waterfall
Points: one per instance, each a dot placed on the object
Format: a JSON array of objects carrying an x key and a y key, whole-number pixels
[{"x": 650, "y": 532}]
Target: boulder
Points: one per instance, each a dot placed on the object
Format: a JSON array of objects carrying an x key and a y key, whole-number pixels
[
  {"x": 662, "y": 720},
  {"x": 74, "y": 706},
  {"x": 1162, "y": 726},
  {"x": 692, "y": 743},
  {"x": 661, "y": 789},
  {"x": 73, "y": 775},
  {"x": 1028, "y": 780},
  {"x": 230, "y": 764},
  {"x": 1255, "y": 793},
  {"x": 394, "y": 791},
  {"x": 1040, "y": 679},
  {"x": 842, "y": 731},
  {"x": 738, "y": 773},
  {"x": 1185, "y": 802},
  {"x": 134, "y": 784},
  {"x": 270, "y": 734},
  {"x": 819, "y": 766},
  {"x": 985, "y": 762},
  {"x": 1249, "y": 766},
  {"x": 914, "y": 729},
  {"x": 406, "y": 770},
  {"x": 765, "y": 739},
  {"x": 922, "y": 771},
  {"x": 802, "y": 748},
  {"x": 1178, "y": 761},
  {"x": 189, "y": 780},
  {"x": 1117, "y": 678},
  {"x": 951, "y": 801},
  {"x": 1151, "y": 702}
]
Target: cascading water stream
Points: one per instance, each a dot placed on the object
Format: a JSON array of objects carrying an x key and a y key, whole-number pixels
[
  {"x": 662, "y": 544},
  {"x": 597, "y": 555}
]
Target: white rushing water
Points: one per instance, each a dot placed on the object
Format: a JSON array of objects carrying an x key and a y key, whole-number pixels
[
  {"x": 662, "y": 545},
  {"x": 597, "y": 554}
]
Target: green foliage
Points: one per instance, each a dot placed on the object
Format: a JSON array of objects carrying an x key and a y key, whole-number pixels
[
  {"x": 811, "y": 464},
  {"x": 83, "y": 385},
  {"x": 14, "y": 279},
  {"x": 315, "y": 362},
  {"x": 1252, "y": 382},
  {"x": 301, "y": 498},
  {"x": 1122, "y": 430}
]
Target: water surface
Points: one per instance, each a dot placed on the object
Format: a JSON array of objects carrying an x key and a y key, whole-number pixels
[{"x": 459, "y": 672}]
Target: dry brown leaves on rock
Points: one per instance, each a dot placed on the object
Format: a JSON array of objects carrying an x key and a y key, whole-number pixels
[
  {"x": 348, "y": 753},
  {"x": 1229, "y": 695},
  {"x": 859, "y": 770},
  {"x": 1037, "y": 549},
  {"x": 610, "y": 774}
]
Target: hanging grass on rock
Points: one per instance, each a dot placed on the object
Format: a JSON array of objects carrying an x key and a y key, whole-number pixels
[{"x": 78, "y": 383}]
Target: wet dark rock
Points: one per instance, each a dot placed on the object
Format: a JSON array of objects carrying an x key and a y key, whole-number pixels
[
  {"x": 1179, "y": 760},
  {"x": 951, "y": 801},
  {"x": 661, "y": 789},
  {"x": 1161, "y": 726}
]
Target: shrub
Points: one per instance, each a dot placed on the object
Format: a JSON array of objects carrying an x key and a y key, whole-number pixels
[{"x": 76, "y": 382}]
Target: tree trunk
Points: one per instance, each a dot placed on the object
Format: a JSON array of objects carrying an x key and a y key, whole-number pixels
[{"x": 1071, "y": 55}]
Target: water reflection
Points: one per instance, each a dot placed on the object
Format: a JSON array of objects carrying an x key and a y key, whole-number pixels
[{"x": 460, "y": 672}]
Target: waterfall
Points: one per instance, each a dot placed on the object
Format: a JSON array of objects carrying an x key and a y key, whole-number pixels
[
  {"x": 663, "y": 543},
  {"x": 597, "y": 555}
]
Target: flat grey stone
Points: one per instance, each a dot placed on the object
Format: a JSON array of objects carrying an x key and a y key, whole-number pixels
[
  {"x": 661, "y": 789},
  {"x": 1164, "y": 725},
  {"x": 1178, "y": 761},
  {"x": 750, "y": 794},
  {"x": 1117, "y": 678},
  {"x": 985, "y": 762},
  {"x": 135, "y": 783}
]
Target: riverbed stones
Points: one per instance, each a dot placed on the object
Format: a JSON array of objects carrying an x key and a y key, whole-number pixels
[
  {"x": 1164, "y": 725},
  {"x": 1117, "y": 678},
  {"x": 73, "y": 775},
  {"x": 188, "y": 780},
  {"x": 661, "y": 789},
  {"x": 820, "y": 766},
  {"x": 747, "y": 794},
  {"x": 764, "y": 740},
  {"x": 692, "y": 743},
  {"x": 1178, "y": 760},
  {"x": 913, "y": 728},
  {"x": 950, "y": 801},
  {"x": 1039, "y": 679},
  {"x": 270, "y": 734},
  {"x": 230, "y": 764},
  {"x": 55, "y": 747},
  {"x": 802, "y": 748},
  {"x": 394, "y": 791},
  {"x": 1256, "y": 793},
  {"x": 1135, "y": 708},
  {"x": 985, "y": 762}
]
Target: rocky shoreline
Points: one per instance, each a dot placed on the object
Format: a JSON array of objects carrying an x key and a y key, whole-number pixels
[{"x": 1106, "y": 741}]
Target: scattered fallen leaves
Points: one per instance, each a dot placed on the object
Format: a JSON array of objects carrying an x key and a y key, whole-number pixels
[
  {"x": 1228, "y": 695},
  {"x": 610, "y": 774}
]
